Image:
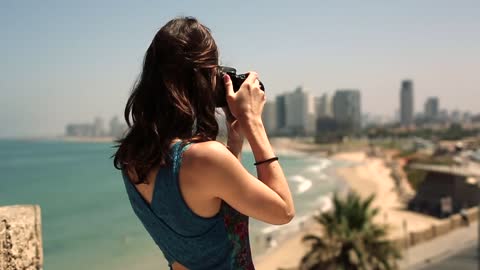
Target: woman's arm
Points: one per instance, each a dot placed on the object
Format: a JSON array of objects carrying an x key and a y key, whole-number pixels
[
  {"x": 235, "y": 136},
  {"x": 219, "y": 174},
  {"x": 270, "y": 173}
]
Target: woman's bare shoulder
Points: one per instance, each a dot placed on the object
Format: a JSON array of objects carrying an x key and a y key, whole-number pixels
[
  {"x": 205, "y": 156},
  {"x": 206, "y": 151},
  {"x": 204, "y": 164}
]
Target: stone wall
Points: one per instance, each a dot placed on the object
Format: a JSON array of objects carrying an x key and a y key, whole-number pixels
[
  {"x": 443, "y": 227},
  {"x": 20, "y": 238}
]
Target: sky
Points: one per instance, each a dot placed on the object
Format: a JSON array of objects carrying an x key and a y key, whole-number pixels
[{"x": 70, "y": 61}]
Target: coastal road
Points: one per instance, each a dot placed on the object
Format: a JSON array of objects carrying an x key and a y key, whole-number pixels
[
  {"x": 459, "y": 247},
  {"x": 466, "y": 259}
]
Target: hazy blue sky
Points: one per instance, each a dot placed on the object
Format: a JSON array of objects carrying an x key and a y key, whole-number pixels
[{"x": 66, "y": 61}]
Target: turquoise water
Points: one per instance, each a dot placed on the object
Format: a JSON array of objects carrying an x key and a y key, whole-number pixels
[{"x": 87, "y": 221}]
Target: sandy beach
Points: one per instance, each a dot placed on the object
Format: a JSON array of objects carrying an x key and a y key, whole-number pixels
[
  {"x": 372, "y": 176},
  {"x": 367, "y": 176}
]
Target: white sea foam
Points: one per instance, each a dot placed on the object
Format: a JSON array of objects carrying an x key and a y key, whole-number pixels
[
  {"x": 318, "y": 169},
  {"x": 294, "y": 225},
  {"x": 314, "y": 168},
  {"x": 273, "y": 234},
  {"x": 304, "y": 183},
  {"x": 271, "y": 229},
  {"x": 304, "y": 186},
  {"x": 298, "y": 178},
  {"x": 324, "y": 202},
  {"x": 320, "y": 166},
  {"x": 323, "y": 176}
]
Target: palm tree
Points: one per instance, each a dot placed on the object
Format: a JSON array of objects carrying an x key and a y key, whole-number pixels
[{"x": 351, "y": 240}]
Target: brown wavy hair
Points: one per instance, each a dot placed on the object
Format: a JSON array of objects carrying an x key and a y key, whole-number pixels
[{"x": 174, "y": 97}]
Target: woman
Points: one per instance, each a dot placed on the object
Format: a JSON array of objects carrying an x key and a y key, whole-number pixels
[{"x": 195, "y": 203}]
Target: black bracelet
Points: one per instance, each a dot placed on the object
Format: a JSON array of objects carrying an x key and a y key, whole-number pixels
[{"x": 265, "y": 161}]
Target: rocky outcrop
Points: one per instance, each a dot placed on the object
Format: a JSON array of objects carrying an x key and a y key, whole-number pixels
[{"x": 20, "y": 238}]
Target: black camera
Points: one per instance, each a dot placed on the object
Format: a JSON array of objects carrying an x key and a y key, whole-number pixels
[{"x": 237, "y": 80}]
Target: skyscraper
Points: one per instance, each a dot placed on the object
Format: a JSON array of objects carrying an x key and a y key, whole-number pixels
[
  {"x": 347, "y": 109},
  {"x": 117, "y": 129},
  {"x": 431, "y": 109},
  {"x": 98, "y": 127},
  {"x": 406, "y": 103},
  {"x": 269, "y": 117},
  {"x": 281, "y": 112},
  {"x": 323, "y": 106},
  {"x": 300, "y": 112}
]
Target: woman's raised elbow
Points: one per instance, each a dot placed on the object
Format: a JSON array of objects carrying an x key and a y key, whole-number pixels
[
  {"x": 285, "y": 218},
  {"x": 289, "y": 216}
]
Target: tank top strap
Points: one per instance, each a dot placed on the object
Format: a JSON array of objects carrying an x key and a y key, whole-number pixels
[{"x": 177, "y": 152}]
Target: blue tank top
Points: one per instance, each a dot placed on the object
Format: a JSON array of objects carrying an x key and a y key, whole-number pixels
[{"x": 218, "y": 242}]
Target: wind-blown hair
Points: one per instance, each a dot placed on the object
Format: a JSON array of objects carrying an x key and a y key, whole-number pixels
[{"x": 174, "y": 97}]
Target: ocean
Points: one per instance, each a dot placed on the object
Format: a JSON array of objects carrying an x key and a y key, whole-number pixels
[{"x": 87, "y": 221}]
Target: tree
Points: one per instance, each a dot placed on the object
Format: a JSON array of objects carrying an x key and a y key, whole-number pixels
[{"x": 350, "y": 239}]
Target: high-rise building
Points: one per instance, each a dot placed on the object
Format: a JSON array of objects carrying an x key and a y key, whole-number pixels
[
  {"x": 323, "y": 106},
  {"x": 80, "y": 130},
  {"x": 406, "y": 103},
  {"x": 98, "y": 127},
  {"x": 347, "y": 109},
  {"x": 476, "y": 118},
  {"x": 300, "y": 112},
  {"x": 117, "y": 129},
  {"x": 431, "y": 109},
  {"x": 456, "y": 116},
  {"x": 269, "y": 117},
  {"x": 467, "y": 117},
  {"x": 281, "y": 112},
  {"x": 443, "y": 115}
]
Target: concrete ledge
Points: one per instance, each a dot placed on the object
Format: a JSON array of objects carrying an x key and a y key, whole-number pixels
[
  {"x": 20, "y": 238},
  {"x": 472, "y": 213},
  {"x": 443, "y": 227}
]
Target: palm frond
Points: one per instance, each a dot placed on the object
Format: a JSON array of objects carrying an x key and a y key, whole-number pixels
[{"x": 350, "y": 240}]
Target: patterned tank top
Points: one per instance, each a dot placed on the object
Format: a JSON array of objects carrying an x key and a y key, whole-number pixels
[{"x": 198, "y": 243}]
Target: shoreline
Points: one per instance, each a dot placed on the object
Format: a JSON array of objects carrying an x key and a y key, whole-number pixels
[
  {"x": 364, "y": 175},
  {"x": 290, "y": 249},
  {"x": 104, "y": 139},
  {"x": 75, "y": 139},
  {"x": 284, "y": 145}
]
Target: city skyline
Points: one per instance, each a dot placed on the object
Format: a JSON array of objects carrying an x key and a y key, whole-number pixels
[
  {"x": 298, "y": 112},
  {"x": 69, "y": 62}
]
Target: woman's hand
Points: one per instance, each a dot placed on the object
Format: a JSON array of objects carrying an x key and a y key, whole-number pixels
[{"x": 247, "y": 103}]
